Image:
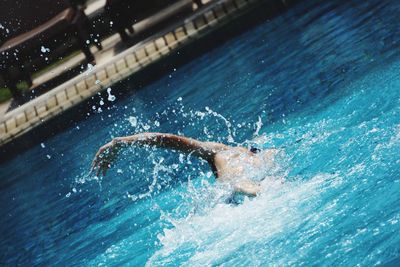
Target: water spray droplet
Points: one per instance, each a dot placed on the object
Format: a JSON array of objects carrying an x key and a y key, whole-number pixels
[
  {"x": 44, "y": 49},
  {"x": 110, "y": 96},
  {"x": 132, "y": 121}
]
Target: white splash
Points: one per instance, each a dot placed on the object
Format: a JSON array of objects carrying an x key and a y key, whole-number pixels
[
  {"x": 225, "y": 120},
  {"x": 225, "y": 228}
]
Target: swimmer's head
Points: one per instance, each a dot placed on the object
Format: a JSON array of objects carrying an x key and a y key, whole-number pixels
[{"x": 254, "y": 150}]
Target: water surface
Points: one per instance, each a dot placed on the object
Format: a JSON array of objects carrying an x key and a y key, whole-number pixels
[{"x": 321, "y": 83}]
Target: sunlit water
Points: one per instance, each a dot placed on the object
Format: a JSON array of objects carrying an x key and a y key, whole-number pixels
[{"x": 321, "y": 83}]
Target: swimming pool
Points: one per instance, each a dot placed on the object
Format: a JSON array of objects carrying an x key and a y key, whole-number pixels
[{"x": 321, "y": 82}]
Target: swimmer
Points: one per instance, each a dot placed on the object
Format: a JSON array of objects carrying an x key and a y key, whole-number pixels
[{"x": 231, "y": 165}]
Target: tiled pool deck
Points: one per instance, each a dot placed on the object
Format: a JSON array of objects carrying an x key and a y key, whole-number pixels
[{"x": 81, "y": 88}]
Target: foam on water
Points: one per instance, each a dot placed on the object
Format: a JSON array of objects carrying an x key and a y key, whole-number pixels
[{"x": 213, "y": 237}]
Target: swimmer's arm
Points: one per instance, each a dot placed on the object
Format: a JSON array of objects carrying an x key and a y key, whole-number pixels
[
  {"x": 176, "y": 142},
  {"x": 107, "y": 153},
  {"x": 247, "y": 188}
]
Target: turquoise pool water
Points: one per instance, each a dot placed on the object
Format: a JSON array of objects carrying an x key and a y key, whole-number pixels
[{"x": 321, "y": 82}]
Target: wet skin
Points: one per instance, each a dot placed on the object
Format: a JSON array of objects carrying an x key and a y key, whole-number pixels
[{"x": 231, "y": 165}]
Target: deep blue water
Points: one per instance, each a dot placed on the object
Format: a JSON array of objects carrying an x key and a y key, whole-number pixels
[{"x": 321, "y": 82}]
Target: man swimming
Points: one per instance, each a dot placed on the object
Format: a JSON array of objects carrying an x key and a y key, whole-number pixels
[{"x": 231, "y": 165}]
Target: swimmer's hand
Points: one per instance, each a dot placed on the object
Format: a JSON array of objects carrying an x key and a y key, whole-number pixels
[
  {"x": 105, "y": 156},
  {"x": 247, "y": 188}
]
